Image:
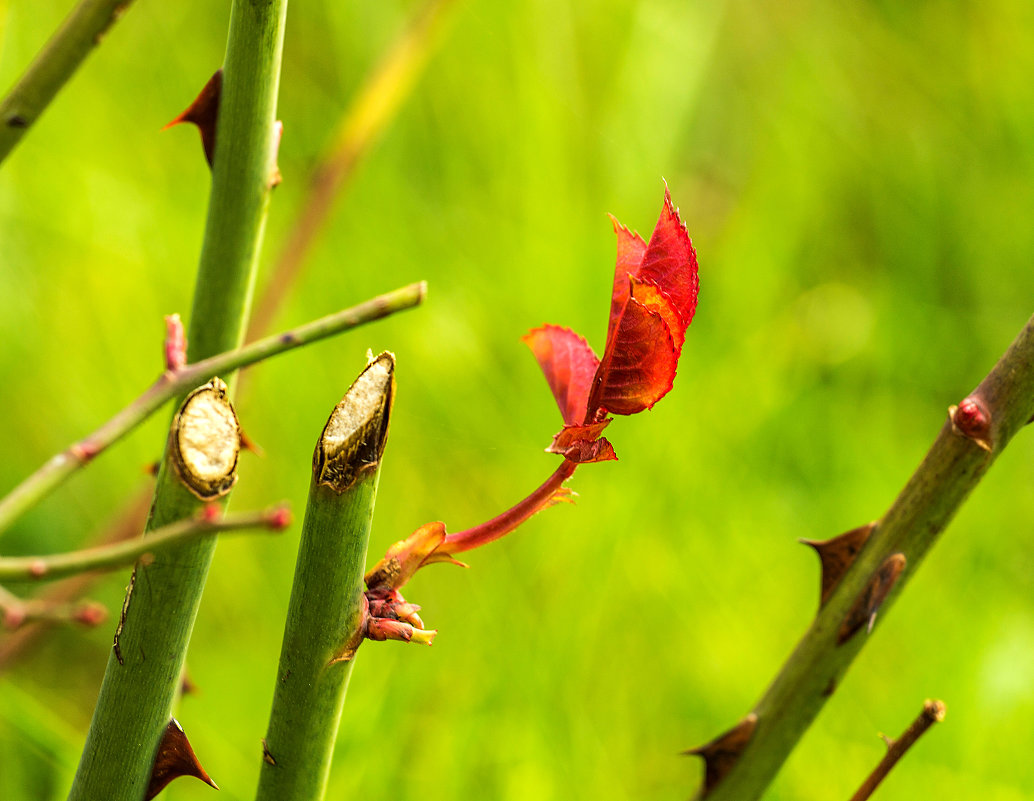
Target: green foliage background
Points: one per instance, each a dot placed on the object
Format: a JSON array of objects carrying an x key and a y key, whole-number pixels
[{"x": 857, "y": 178}]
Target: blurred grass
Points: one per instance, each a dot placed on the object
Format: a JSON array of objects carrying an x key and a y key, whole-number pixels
[{"x": 856, "y": 178}]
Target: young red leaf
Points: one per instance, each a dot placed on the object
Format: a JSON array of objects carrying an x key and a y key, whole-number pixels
[
  {"x": 569, "y": 366},
  {"x": 630, "y": 251},
  {"x": 670, "y": 263},
  {"x": 638, "y": 368}
]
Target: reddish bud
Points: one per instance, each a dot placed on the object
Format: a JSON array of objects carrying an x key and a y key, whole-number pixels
[
  {"x": 381, "y": 629},
  {"x": 279, "y": 518},
  {"x": 175, "y": 343},
  {"x": 84, "y": 451},
  {"x": 14, "y": 616},
  {"x": 90, "y": 613},
  {"x": 972, "y": 420},
  {"x": 210, "y": 513},
  {"x": 38, "y": 568}
]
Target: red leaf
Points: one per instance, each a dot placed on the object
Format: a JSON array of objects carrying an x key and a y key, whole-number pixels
[
  {"x": 656, "y": 300},
  {"x": 569, "y": 366},
  {"x": 639, "y": 366},
  {"x": 582, "y": 443},
  {"x": 630, "y": 251},
  {"x": 670, "y": 263}
]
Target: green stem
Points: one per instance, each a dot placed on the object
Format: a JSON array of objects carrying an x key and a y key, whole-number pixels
[
  {"x": 142, "y": 675},
  {"x": 173, "y": 384},
  {"x": 119, "y": 554},
  {"x": 81, "y": 31},
  {"x": 953, "y": 466},
  {"x": 372, "y": 109},
  {"x": 325, "y": 619}
]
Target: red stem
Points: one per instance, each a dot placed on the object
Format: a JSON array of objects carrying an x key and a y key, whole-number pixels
[{"x": 509, "y": 520}]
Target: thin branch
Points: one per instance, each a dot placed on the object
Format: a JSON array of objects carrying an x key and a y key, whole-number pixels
[
  {"x": 933, "y": 712},
  {"x": 56, "y": 62},
  {"x": 365, "y": 119},
  {"x": 108, "y": 557},
  {"x": 977, "y": 431},
  {"x": 128, "y": 522},
  {"x": 174, "y": 383},
  {"x": 16, "y": 612}
]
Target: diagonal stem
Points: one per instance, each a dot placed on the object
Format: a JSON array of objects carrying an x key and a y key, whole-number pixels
[
  {"x": 951, "y": 469},
  {"x": 56, "y": 62},
  {"x": 933, "y": 712},
  {"x": 119, "y": 554},
  {"x": 172, "y": 384}
]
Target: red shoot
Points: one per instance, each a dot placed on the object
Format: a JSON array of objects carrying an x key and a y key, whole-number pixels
[{"x": 652, "y": 304}]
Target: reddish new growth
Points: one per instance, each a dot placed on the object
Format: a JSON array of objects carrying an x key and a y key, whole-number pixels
[{"x": 654, "y": 297}]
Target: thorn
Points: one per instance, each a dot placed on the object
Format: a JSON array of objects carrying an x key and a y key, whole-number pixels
[
  {"x": 90, "y": 613},
  {"x": 837, "y": 555},
  {"x": 38, "y": 568},
  {"x": 187, "y": 685},
  {"x": 886, "y": 740},
  {"x": 210, "y": 513},
  {"x": 721, "y": 753},
  {"x": 174, "y": 758},
  {"x": 175, "y": 343},
  {"x": 204, "y": 113},
  {"x": 152, "y": 468},
  {"x": 267, "y": 757},
  {"x": 868, "y": 603},
  {"x": 250, "y": 445},
  {"x": 972, "y": 420}
]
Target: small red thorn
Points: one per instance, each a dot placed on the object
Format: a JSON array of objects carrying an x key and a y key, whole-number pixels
[
  {"x": 249, "y": 444},
  {"x": 279, "y": 518},
  {"x": 38, "y": 568},
  {"x": 90, "y": 613},
  {"x": 204, "y": 113},
  {"x": 152, "y": 468},
  {"x": 175, "y": 343},
  {"x": 187, "y": 685},
  {"x": 210, "y": 513},
  {"x": 175, "y": 758},
  {"x": 972, "y": 420}
]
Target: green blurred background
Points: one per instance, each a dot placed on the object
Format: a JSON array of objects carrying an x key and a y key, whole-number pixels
[{"x": 857, "y": 178}]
